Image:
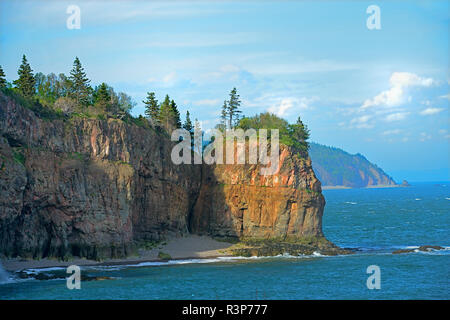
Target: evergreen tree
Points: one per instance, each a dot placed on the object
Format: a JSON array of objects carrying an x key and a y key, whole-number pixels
[
  {"x": 233, "y": 108},
  {"x": 102, "y": 97},
  {"x": 224, "y": 116},
  {"x": 165, "y": 113},
  {"x": 81, "y": 90},
  {"x": 188, "y": 126},
  {"x": 300, "y": 134},
  {"x": 2, "y": 78},
  {"x": 151, "y": 107},
  {"x": 175, "y": 115},
  {"x": 188, "y": 123},
  {"x": 26, "y": 81},
  {"x": 230, "y": 111}
]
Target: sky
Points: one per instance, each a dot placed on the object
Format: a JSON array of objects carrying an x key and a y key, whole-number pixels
[{"x": 381, "y": 92}]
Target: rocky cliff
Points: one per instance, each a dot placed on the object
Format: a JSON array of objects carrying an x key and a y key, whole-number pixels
[
  {"x": 97, "y": 188},
  {"x": 235, "y": 200}
]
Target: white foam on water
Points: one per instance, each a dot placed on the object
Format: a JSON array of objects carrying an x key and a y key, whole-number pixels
[
  {"x": 410, "y": 247},
  {"x": 5, "y": 277},
  {"x": 39, "y": 270},
  {"x": 349, "y": 202},
  {"x": 417, "y": 199}
]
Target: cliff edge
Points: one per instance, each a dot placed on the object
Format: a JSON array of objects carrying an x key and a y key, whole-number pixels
[{"x": 101, "y": 188}]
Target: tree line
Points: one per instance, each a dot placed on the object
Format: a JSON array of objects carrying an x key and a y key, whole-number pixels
[
  {"x": 74, "y": 95},
  {"x": 68, "y": 94}
]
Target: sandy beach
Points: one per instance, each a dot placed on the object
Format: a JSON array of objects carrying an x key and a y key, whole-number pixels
[{"x": 188, "y": 247}]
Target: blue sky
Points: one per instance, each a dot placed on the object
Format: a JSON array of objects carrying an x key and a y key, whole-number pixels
[{"x": 383, "y": 93}]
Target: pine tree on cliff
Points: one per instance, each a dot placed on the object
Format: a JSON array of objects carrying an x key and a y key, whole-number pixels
[
  {"x": 230, "y": 110},
  {"x": 188, "y": 126},
  {"x": 188, "y": 123},
  {"x": 175, "y": 114},
  {"x": 81, "y": 90},
  {"x": 165, "y": 112},
  {"x": 224, "y": 116},
  {"x": 102, "y": 97},
  {"x": 233, "y": 108},
  {"x": 2, "y": 78},
  {"x": 26, "y": 80},
  {"x": 152, "y": 108},
  {"x": 300, "y": 134}
]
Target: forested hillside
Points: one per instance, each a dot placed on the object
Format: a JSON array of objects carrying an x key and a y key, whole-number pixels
[{"x": 335, "y": 167}]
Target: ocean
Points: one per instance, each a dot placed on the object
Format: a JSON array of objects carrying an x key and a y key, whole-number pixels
[{"x": 375, "y": 222}]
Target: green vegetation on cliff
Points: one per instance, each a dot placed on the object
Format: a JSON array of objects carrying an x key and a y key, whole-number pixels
[
  {"x": 335, "y": 167},
  {"x": 293, "y": 135}
]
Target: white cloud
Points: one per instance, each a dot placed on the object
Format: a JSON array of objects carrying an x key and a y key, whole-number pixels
[
  {"x": 424, "y": 136},
  {"x": 407, "y": 79},
  {"x": 207, "y": 102},
  {"x": 391, "y": 132},
  {"x": 395, "y": 96},
  {"x": 300, "y": 66},
  {"x": 361, "y": 122},
  {"x": 444, "y": 133},
  {"x": 430, "y": 111},
  {"x": 397, "y": 116},
  {"x": 229, "y": 68},
  {"x": 445, "y": 96},
  {"x": 282, "y": 105},
  {"x": 167, "y": 80}
]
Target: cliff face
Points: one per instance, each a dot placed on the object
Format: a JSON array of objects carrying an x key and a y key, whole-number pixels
[
  {"x": 235, "y": 200},
  {"x": 95, "y": 188},
  {"x": 335, "y": 167}
]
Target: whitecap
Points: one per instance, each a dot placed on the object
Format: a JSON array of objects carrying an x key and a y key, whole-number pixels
[{"x": 39, "y": 270}]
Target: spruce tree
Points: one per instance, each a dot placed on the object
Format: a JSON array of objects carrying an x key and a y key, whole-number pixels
[
  {"x": 188, "y": 126},
  {"x": 188, "y": 123},
  {"x": 81, "y": 90},
  {"x": 175, "y": 115},
  {"x": 300, "y": 134},
  {"x": 233, "y": 108},
  {"x": 165, "y": 112},
  {"x": 2, "y": 78},
  {"x": 224, "y": 116},
  {"x": 102, "y": 97},
  {"x": 151, "y": 107},
  {"x": 26, "y": 80}
]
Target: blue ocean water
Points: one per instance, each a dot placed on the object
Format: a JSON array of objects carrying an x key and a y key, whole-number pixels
[{"x": 375, "y": 221}]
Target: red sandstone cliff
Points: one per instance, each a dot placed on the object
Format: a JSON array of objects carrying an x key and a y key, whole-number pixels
[{"x": 95, "y": 188}]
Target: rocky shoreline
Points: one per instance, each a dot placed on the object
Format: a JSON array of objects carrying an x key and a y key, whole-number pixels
[{"x": 293, "y": 247}]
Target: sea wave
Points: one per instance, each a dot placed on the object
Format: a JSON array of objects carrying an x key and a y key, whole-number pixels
[{"x": 359, "y": 250}]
